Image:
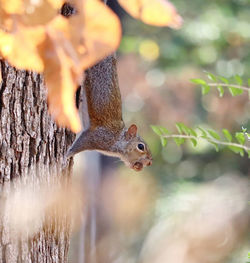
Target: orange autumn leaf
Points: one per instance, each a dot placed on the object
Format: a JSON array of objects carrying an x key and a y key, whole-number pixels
[
  {"x": 60, "y": 77},
  {"x": 30, "y": 12},
  {"x": 39, "y": 12},
  {"x": 75, "y": 44},
  {"x": 12, "y": 6},
  {"x": 5, "y": 21},
  {"x": 56, "y": 3},
  {"x": 153, "y": 12},
  {"x": 20, "y": 48},
  {"x": 43, "y": 40},
  {"x": 98, "y": 34}
]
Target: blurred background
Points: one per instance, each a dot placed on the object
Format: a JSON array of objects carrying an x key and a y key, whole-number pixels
[{"x": 192, "y": 204}]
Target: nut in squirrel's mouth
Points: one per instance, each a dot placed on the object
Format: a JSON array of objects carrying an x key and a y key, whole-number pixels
[{"x": 137, "y": 166}]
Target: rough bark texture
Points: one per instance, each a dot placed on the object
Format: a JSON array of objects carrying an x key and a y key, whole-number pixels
[{"x": 32, "y": 151}]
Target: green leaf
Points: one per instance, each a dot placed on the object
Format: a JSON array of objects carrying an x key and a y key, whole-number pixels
[
  {"x": 212, "y": 76},
  {"x": 238, "y": 79},
  {"x": 215, "y": 145},
  {"x": 203, "y": 132},
  {"x": 224, "y": 80},
  {"x": 243, "y": 129},
  {"x": 194, "y": 142},
  {"x": 164, "y": 141},
  {"x": 236, "y": 149},
  {"x": 163, "y": 130},
  {"x": 248, "y": 81},
  {"x": 205, "y": 89},
  {"x": 221, "y": 91},
  {"x": 182, "y": 128},
  {"x": 214, "y": 134},
  {"x": 227, "y": 135},
  {"x": 198, "y": 81},
  {"x": 240, "y": 137},
  {"x": 179, "y": 126},
  {"x": 192, "y": 132},
  {"x": 235, "y": 91},
  {"x": 179, "y": 141},
  {"x": 242, "y": 153},
  {"x": 156, "y": 130}
]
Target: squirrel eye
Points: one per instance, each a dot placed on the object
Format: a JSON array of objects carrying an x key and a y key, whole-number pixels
[{"x": 140, "y": 147}]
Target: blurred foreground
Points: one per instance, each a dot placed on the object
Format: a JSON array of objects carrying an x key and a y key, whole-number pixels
[{"x": 124, "y": 216}]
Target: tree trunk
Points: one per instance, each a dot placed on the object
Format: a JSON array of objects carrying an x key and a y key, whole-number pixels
[{"x": 32, "y": 154}]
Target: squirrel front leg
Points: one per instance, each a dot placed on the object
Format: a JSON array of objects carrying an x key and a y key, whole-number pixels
[
  {"x": 99, "y": 138},
  {"x": 82, "y": 143}
]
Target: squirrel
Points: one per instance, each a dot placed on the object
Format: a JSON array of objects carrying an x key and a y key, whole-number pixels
[{"x": 106, "y": 131}]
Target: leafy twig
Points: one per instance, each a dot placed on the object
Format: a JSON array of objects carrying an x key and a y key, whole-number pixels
[
  {"x": 229, "y": 85},
  {"x": 221, "y": 82},
  {"x": 209, "y": 135},
  {"x": 210, "y": 139}
]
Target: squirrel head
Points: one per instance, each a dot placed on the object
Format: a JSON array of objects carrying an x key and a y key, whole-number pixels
[{"x": 136, "y": 153}]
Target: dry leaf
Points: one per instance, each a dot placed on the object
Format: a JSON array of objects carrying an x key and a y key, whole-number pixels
[
  {"x": 98, "y": 34},
  {"x": 153, "y": 12},
  {"x": 56, "y": 3},
  {"x": 12, "y": 6},
  {"x": 40, "y": 39},
  {"x": 72, "y": 47},
  {"x": 39, "y": 12},
  {"x": 60, "y": 76},
  {"x": 20, "y": 48},
  {"x": 6, "y": 22}
]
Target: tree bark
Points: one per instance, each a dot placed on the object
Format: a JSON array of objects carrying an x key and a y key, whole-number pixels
[{"x": 32, "y": 153}]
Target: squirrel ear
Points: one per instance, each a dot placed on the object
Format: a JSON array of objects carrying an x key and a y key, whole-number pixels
[{"x": 132, "y": 130}]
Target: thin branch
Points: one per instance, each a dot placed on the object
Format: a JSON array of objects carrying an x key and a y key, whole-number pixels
[
  {"x": 229, "y": 85},
  {"x": 210, "y": 139}
]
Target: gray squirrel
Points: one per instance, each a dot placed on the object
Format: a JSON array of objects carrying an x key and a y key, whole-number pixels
[{"x": 106, "y": 131}]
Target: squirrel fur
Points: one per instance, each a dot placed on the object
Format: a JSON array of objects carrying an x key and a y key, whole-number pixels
[{"x": 106, "y": 131}]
